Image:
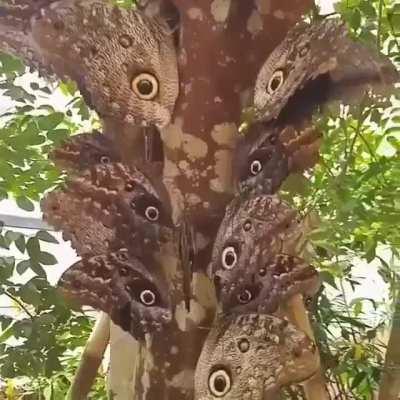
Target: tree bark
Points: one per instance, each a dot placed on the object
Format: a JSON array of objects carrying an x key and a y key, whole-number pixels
[{"x": 222, "y": 45}]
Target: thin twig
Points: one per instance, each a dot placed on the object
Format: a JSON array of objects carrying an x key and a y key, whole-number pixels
[
  {"x": 20, "y": 304},
  {"x": 379, "y": 33}
]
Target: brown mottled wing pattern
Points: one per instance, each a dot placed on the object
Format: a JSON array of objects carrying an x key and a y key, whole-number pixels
[
  {"x": 275, "y": 282},
  {"x": 123, "y": 61},
  {"x": 83, "y": 151},
  {"x": 120, "y": 199},
  {"x": 268, "y": 153},
  {"x": 87, "y": 233},
  {"x": 252, "y": 356},
  {"x": 253, "y": 261},
  {"x": 314, "y": 64},
  {"x": 120, "y": 285}
]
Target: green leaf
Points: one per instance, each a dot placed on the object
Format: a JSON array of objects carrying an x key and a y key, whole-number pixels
[
  {"x": 47, "y": 258},
  {"x": 23, "y": 266},
  {"x": 24, "y": 203},
  {"x": 7, "y": 333},
  {"x": 20, "y": 243},
  {"x": 33, "y": 248},
  {"x": 355, "y": 19},
  {"x": 46, "y": 237},
  {"x": 51, "y": 121}
]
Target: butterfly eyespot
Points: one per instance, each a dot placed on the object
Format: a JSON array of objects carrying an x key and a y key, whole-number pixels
[
  {"x": 147, "y": 297},
  {"x": 145, "y": 86},
  {"x": 229, "y": 257},
  {"x": 275, "y": 82},
  {"x": 243, "y": 345},
  {"x": 255, "y": 167},
  {"x": 245, "y": 297},
  {"x": 247, "y": 225},
  {"x": 152, "y": 213},
  {"x": 219, "y": 383},
  {"x": 304, "y": 49},
  {"x": 105, "y": 160}
]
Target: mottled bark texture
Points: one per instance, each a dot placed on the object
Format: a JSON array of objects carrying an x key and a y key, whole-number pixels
[{"x": 222, "y": 46}]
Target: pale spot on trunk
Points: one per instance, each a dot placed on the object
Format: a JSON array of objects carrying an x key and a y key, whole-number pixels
[
  {"x": 203, "y": 290},
  {"x": 172, "y": 135},
  {"x": 223, "y": 172},
  {"x": 170, "y": 169},
  {"x": 264, "y": 6},
  {"x": 149, "y": 365},
  {"x": 193, "y": 199},
  {"x": 188, "y": 320},
  {"x": 279, "y": 14},
  {"x": 225, "y": 134},
  {"x": 201, "y": 240},
  {"x": 220, "y": 10},
  {"x": 194, "y": 147},
  {"x": 183, "y": 380},
  {"x": 195, "y": 13},
  {"x": 255, "y": 23}
]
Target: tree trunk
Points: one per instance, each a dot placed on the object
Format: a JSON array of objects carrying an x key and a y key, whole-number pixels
[{"x": 222, "y": 45}]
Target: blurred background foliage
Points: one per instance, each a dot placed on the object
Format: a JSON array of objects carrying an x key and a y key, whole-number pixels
[{"x": 351, "y": 200}]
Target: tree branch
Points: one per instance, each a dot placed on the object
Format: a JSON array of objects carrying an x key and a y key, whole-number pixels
[
  {"x": 390, "y": 381},
  {"x": 91, "y": 359}
]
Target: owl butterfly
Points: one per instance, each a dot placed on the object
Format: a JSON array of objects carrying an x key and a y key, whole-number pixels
[
  {"x": 269, "y": 153},
  {"x": 132, "y": 209},
  {"x": 253, "y": 263},
  {"x": 314, "y": 64},
  {"x": 121, "y": 286},
  {"x": 252, "y": 356},
  {"x": 84, "y": 151},
  {"x": 123, "y": 61}
]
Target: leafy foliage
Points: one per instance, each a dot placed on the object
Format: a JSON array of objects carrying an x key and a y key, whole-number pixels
[
  {"x": 40, "y": 346},
  {"x": 354, "y": 195}
]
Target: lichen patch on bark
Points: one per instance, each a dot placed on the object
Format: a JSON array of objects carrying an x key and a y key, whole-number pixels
[
  {"x": 189, "y": 320},
  {"x": 222, "y": 183},
  {"x": 204, "y": 290},
  {"x": 194, "y": 147},
  {"x": 220, "y": 10},
  {"x": 225, "y": 134},
  {"x": 172, "y": 137},
  {"x": 264, "y": 6},
  {"x": 195, "y": 13},
  {"x": 255, "y": 23}
]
